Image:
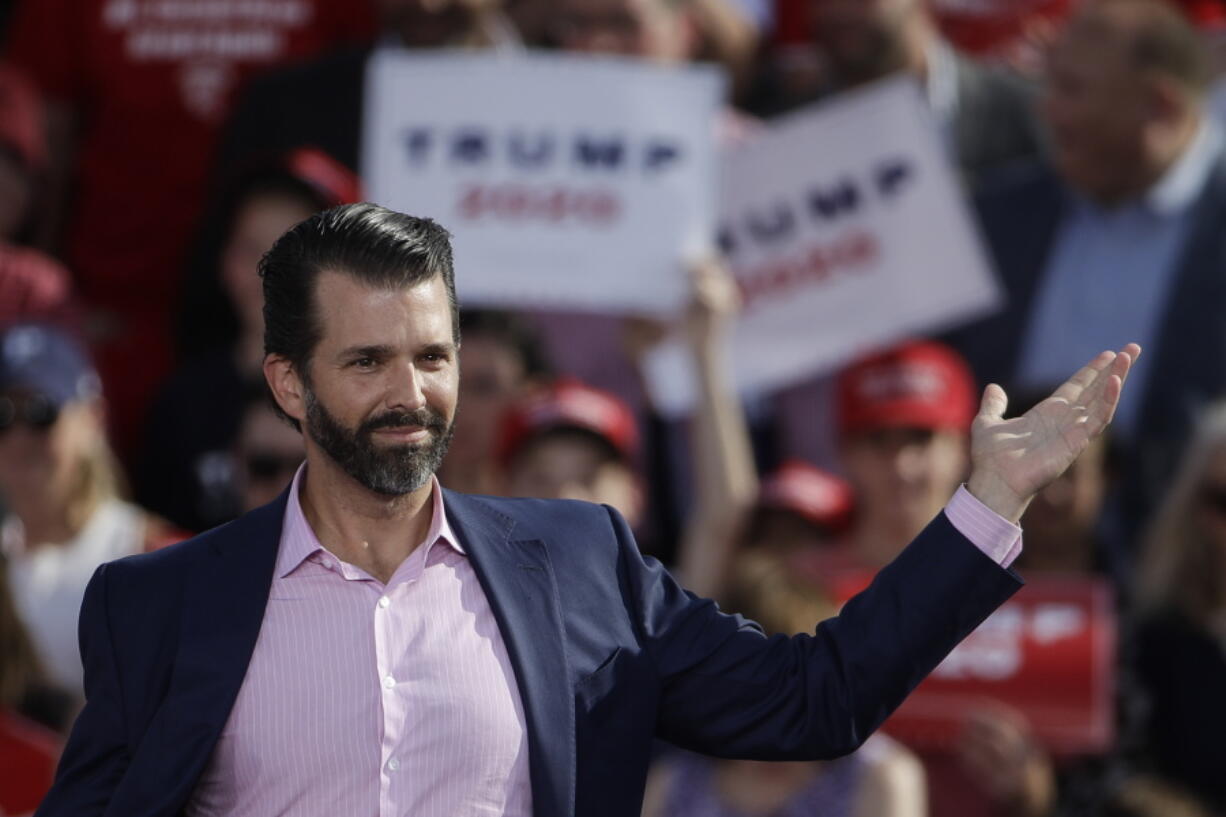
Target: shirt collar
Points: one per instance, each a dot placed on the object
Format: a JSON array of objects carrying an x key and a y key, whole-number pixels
[
  {"x": 1186, "y": 178},
  {"x": 299, "y": 542}
]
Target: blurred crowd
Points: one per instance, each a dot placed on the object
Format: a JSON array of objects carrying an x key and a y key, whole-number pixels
[{"x": 152, "y": 150}]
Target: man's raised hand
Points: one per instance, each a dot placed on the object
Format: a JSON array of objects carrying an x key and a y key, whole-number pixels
[{"x": 1012, "y": 460}]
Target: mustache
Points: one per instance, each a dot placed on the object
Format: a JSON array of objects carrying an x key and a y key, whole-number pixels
[{"x": 423, "y": 417}]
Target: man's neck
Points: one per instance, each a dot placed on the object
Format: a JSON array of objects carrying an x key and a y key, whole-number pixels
[
  {"x": 368, "y": 530},
  {"x": 1150, "y": 173}
]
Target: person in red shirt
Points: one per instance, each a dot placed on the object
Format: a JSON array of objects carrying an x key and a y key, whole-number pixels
[{"x": 137, "y": 90}]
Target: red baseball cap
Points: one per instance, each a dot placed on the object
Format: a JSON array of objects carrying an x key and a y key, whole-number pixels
[
  {"x": 334, "y": 183},
  {"x": 568, "y": 403},
  {"x": 806, "y": 490},
  {"x": 919, "y": 384}
]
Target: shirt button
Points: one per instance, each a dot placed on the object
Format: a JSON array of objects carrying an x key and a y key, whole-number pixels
[
  {"x": 393, "y": 765},
  {"x": 327, "y": 563},
  {"x": 384, "y": 601},
  {"x": 388, "y": 682}
]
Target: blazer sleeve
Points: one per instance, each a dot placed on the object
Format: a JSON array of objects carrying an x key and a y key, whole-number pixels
[
  {"x": 96, "y": 755},
  {"x": 728, "y": 690}
]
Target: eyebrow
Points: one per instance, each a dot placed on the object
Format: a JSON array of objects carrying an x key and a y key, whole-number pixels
[
  {"x": 382, "y": 351},
  {"x": 374, "y": 350}
]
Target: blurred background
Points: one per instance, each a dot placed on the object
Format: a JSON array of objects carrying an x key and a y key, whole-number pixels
[{"x": 152, "y": 150}]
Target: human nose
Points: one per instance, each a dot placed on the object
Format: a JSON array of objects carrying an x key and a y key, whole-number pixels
[
  {"x": 406, "y": 388},
  {"x": 909, "y": 461}
]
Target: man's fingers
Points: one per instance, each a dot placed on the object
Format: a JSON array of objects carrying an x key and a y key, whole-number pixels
[
  {"x": 1085, "y": 378},
  {"x": 1100, "y": 414},
  {"x": 1101, "y": 400},
  {"x": 1125, "y": 360},
  {"x": 1103, "y": 397},
  {"x": 994, "y": 403}
]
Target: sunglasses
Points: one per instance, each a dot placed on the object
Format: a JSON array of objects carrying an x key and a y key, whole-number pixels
[
  {"x": 265, "y": 465},
  {"x": 37, "y": 413}
]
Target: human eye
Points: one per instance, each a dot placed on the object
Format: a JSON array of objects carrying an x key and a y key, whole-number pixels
[{"x": 436, "y": 357}]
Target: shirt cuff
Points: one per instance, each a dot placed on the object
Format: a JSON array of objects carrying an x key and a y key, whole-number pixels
[{"x": 998, "y": 538}]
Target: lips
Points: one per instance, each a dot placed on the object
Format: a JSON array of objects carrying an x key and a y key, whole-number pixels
[
  {"x": 404, "y": 433},
  {"x": 405, "y": 425}
]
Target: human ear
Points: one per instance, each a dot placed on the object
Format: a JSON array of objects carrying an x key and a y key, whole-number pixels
[{"x": 286, "y": 386}]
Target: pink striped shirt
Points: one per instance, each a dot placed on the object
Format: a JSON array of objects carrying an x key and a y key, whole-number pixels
[{"x": 365, "y": 699}]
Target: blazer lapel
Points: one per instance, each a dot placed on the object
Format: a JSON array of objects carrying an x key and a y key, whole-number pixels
[
  {"x": 223, "y": 608},
  {"x": 518, "y": 581}
]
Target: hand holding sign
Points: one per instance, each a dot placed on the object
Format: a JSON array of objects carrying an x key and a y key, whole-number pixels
[
  {"x": 714, "y": 303},
  {"x": 1012, "y": 460}
]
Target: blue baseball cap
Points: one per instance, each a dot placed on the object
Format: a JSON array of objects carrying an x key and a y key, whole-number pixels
[{"x": 46, "y": 361}]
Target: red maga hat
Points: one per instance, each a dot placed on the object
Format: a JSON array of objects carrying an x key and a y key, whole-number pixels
[
  {"x": 919, "y": 384},
  {"x": 806, "y": 490},
  {"x": 568, "y": 403}
]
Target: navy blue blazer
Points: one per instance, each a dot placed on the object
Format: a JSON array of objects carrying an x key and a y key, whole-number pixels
[{"x": 608, "y": 651}]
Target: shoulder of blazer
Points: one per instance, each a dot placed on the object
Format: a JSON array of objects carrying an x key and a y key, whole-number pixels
[{"x": 256, "y": 531}]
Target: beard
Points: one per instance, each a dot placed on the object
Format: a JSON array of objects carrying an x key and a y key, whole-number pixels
[{"x": 393, "y": 470}]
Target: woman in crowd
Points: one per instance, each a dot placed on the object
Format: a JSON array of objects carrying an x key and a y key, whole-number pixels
[
  {"x": 61, "y": 488},
  {"x": 186, "y": 471}
]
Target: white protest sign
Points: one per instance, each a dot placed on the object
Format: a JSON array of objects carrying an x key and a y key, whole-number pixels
[
  {"x": 567, "y": 181},
  {"x": 845, "y": 229}
]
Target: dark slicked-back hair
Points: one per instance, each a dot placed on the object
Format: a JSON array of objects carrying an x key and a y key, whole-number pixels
[{"x": 376, "y": 246}]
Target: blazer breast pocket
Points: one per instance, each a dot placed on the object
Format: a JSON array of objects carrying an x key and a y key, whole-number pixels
[{"x": 594, "y": 691}]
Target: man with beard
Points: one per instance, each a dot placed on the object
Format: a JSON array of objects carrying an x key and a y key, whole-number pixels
[{"x": 372, "y": 644}]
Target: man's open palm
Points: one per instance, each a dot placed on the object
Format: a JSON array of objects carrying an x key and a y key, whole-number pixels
[{"x": 1012, "y": 460}]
